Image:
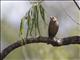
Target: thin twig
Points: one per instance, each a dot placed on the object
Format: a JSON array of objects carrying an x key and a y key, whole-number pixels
[
  {"x": 76, "y": 4},
  {"x": 69, "y": 15}
]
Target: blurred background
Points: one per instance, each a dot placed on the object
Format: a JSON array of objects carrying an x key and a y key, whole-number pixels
[{"x": 13, "y": 11}]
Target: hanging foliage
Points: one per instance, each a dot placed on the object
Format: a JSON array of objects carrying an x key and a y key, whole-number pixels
[{"x": 33, "y": 19}]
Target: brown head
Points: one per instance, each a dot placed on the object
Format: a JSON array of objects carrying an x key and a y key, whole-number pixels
[{"x": 53, "y": 18}]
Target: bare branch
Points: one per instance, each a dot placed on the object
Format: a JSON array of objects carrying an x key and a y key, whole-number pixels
[
  {"x": 76, "y": 4},
  {"x": 69, "y": 16},
  {"x": 54, "y": 42}
]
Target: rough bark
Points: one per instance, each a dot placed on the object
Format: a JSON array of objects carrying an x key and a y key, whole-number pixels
[{"x": 55, "y": 42}]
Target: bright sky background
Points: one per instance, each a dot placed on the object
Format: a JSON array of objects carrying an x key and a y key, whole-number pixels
[{"x": 14, "y": 10}]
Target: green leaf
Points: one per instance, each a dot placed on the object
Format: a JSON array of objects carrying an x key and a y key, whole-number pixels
[
  {"x": 33, "y": 19},
  {"x": 36, "y": 21},
  {"x": 35, "y": 12},
  {"x": 21, "y": 27},
  {"x": 42, "y": 12},
  {"x": 28, "y": 23}
]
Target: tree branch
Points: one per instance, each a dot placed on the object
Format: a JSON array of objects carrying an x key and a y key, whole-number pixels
[
  {"x": 55, "y": 42},
  {"x": 76, "y": 4}
]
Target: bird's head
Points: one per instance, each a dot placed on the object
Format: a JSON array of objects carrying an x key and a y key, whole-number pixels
[{"x": 53, "y": 18}]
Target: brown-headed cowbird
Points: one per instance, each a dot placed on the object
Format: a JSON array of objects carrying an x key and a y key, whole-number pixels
[{"x": 53, "y": 27}]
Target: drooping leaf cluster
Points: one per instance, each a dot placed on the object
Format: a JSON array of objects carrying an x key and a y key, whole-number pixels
[{"x": 32, "y": 17}]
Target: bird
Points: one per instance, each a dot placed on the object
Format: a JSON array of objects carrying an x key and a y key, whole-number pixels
[{"x": 53, "y": 27}]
